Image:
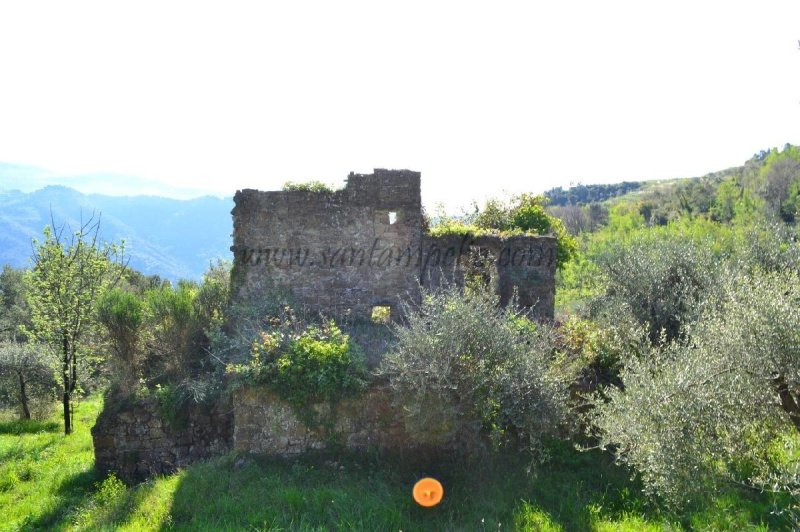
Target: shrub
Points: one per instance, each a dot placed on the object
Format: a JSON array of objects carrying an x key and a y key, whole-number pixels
[
  {"x": 310, "y": 186},
  {"x": 462, "y": 366},
  {"x": 175, "y": 400},
  {"x": 700, "y": 413},
  {"x": 317, "y": 364},
  {"x": 171, "y": 336},
  {"x": 176, "y": 333},
  {"x": 593, "y": 353},
  {"x": 123, "y": 315},
  {"x": 212, "y": 301},
  {"x": 767, "y": 245},
  {"x": 524, "y": 214}
]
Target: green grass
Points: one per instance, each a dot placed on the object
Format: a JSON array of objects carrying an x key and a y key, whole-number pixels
[
  {"x": 43, "y": 474},
  {"x": 48, "y": 482}
]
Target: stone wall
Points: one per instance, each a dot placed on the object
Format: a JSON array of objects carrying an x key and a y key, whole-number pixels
[
  {"x": 364, "y": 246},
  {"x": 263, "y": 423},
  {"x": 521, "y": 266},
  {"x": 334, "y": 249},
  {"x": 136, "y": 442}
]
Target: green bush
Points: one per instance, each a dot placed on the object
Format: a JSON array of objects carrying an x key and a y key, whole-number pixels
[
  {"x": 525, "y": 214},
  {"x": 175, "y": 332},
  {"x": 463, "y": 366},
  {"x": 594, "y": 353},
  {"x": 174, "y": 400},
  {"x": 316, "y": 364},
  {"x": 27, "y": 380},
  {"x": 319, "y": 365},
  {"x": 171, "y": 339},
  {"x": 122, "y": 314}
]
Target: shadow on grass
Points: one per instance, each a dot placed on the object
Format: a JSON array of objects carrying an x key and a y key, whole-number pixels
[
  {"x": 28, "y": 426},
  {"x": 349, "y": 491},
  {"x": 367, "y": 492},
  {"x": 73, "y": 492}
]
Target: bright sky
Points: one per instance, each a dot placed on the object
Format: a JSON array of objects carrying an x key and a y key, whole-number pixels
[{"x": 480, "y": 97}]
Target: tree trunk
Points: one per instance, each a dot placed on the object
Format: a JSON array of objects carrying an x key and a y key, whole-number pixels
[
  {"x": 66, "y": 375},
  {"x": 788, "y": 402},
  {"x": 72, "y": 385},
  {"x": 23, "y": 397},
  {"x": 67, "y": 420}
]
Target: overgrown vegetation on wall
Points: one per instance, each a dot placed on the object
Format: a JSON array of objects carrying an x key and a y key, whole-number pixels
[
  {"x": 308, "y": 186},
  {"x": 524, "y": 214},
  {"x": 304, "y": 363}
]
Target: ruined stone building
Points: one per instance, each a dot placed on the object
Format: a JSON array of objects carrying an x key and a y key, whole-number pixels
[
  {"x": 354, "y": 249},
  {"x": 365, "y": 246}
]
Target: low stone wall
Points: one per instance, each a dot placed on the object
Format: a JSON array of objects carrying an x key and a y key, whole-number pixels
[
  {"x": 135, "y": 442},
  {"x": 263, "y": 423}
]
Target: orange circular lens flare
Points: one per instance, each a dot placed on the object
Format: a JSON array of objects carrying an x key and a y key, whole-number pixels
[{"x": 428, "y": 492}]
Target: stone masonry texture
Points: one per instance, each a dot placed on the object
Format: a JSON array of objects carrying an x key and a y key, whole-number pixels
[{"x": 350, "y": 250}]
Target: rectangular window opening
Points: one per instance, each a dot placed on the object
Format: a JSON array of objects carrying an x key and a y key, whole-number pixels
[{"x": 392, "y": 218}]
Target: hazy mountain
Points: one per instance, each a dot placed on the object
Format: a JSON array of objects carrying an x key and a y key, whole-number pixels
[
  {"x": 169, "y": 237},
  {"x": 31, "y": 178}
]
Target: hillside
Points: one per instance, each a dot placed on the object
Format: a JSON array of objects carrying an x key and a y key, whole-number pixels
[{"x": 172, "y": 238}]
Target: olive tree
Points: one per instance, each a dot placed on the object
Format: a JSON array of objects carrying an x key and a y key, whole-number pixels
[
  {"x": 661, "y": 280},
  {"x": 26, "y": 376},
  {"x": 70, "y": 271},
  {"x": 462, "y": 366},
  {"x": 709, "y": 410}
]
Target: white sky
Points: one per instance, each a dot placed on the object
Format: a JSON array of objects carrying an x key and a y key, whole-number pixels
[{"x": 479, "y": 97}]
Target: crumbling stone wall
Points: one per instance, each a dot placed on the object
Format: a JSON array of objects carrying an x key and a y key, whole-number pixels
[
  {"x": 519, "y": 266},
  {"x": 264, "y": 423},
  {"x": 336, "y": 250},
  {"x": 364, "y": 246},
  {"x": 135, "y": 442}
]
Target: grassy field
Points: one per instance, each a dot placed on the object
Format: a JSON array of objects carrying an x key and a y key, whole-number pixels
[{"x": 48, "y": 482}]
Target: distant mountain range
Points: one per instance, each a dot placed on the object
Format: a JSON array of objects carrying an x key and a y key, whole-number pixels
[
  {"x": 30, "y": 178},
  {"x": 169, "y": 237}
]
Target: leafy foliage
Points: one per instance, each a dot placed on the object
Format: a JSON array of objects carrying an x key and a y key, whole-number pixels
[
  {"x": 699, "y": 413},
  {"x": 779, "y": 181},
  {"x": 174, "y": 327},
  {"x": 661, "y": 281},
  {"x": 70, "y": 272},
  {"x": 462, "y": 365},
  {"x": 305, "y": 365},
  {"x": 27, "y": 379},
  {"x": 310, "y": 186},
  {"x": 525, "y": 214},
  {"x": 15, "y": 315},
  {"x": 123, "y": 315}
]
